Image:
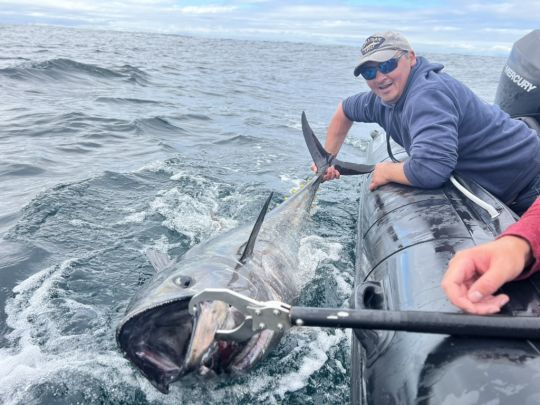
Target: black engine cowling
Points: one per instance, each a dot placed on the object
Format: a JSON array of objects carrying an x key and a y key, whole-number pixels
[{"x": 518, "y": 92}]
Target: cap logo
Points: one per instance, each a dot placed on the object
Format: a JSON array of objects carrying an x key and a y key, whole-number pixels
[{"x": 371, "y": 44}]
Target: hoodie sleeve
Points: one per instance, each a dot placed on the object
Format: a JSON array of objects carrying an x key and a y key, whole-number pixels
[
  {"x": 528, "y": 228},
  {"x": 361, "y": 107},
  {"x": 432, "y": 119}
]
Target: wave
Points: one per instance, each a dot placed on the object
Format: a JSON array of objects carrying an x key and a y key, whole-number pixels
[
  {"x": 237, "y": 140},
  {"x": 20, "y": 169},
  {"x": 66, "y": 69},
  {"x": 93, "y": 127},
  {"x": 156, "y": 124},
  {"x": 76, "y": 123},
  {"x": 55, "y": 69},
  {"x": 125, "y": 100},
  {"x": 187, "y": 117},
  {"x": 80, "y": 147},
  {"x": 134, "y": 75}
]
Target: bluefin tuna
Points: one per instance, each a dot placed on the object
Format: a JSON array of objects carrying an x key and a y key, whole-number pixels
[{"x": 165, "y": 342}]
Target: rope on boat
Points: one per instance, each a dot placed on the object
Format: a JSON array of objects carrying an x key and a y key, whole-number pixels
[{"x": 481, "y": 203}]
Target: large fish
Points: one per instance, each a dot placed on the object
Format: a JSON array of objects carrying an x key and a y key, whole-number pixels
[
  {"x": 160, "y": 336},
  {"x": 165, "y": 342}
]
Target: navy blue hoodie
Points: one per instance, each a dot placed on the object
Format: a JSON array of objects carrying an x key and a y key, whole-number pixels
[{"x": 445, "y": 127}]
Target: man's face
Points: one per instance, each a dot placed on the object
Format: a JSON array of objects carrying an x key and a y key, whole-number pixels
[{"x": 390, "y": 86}]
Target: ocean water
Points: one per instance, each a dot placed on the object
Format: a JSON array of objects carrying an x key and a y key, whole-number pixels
[{"x": 112, "y": 143}]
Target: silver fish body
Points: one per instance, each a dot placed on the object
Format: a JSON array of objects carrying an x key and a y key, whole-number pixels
[{"x": 165, "y": 342}]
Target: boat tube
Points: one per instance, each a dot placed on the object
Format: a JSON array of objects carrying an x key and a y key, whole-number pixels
[{"x": 406, "y": 237}]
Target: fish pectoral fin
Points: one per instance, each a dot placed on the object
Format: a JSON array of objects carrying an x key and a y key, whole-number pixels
[
  {"x": 248, "y": 251},
  {"x": 158, "y": 260}
]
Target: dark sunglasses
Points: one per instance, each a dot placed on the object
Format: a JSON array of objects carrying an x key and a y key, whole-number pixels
[{"x": 370, "y": 72}]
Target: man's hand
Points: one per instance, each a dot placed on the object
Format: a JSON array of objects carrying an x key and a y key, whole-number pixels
[
  {"x": 474, "y": 275},
  {"x": 331, "y": 173},
  {"x": 387, "y": 172},
  {"x": 380, "y": 176}
]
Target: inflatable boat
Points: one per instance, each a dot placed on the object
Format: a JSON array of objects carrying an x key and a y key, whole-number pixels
[{"x": 406, "y": 237}]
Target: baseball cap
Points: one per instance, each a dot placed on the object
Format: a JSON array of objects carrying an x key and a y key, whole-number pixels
[{"x": 380, "y": 47}]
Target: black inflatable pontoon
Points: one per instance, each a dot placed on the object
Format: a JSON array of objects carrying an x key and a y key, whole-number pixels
[{"x": 406, "y": 237}]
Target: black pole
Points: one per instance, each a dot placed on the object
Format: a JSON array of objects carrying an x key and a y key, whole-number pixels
[{"x": 495, "y": 326}]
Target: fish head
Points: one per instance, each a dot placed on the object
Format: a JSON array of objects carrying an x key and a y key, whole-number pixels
[
  {"x": 155, "y": 340},
  {"x": 165, "y": 342}
]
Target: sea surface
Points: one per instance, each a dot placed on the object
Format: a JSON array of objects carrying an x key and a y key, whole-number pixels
[{"x": 112, "y": 143}]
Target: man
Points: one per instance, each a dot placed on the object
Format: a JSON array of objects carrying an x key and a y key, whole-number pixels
[
  {"x": 442, "y": 124},
  {"x": 474, "y": 275}
]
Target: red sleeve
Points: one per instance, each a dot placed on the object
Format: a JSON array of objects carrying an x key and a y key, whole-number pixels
[{"x": 528, "y": 228}]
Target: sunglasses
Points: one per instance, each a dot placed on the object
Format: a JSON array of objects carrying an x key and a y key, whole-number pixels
[{"x": 370, "y": 72}]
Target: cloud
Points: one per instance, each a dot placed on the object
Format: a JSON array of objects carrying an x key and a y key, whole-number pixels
[
  {"x": 477, "y": 26},
  {"x": 205, "y": 9}
]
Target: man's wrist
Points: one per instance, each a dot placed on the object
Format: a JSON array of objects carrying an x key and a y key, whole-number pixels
[{"x": 520, "y": 247}]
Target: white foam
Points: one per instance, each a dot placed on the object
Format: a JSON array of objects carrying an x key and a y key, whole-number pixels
[
  {"x": 41, "y": 352},
  {"x": 358, "y": 143},
  {"x": 77, "y": 222},
  {"x": 192, "y": 178},
  {"x": 312, "y": 362},
  {"x": 308, "y": 356},
  {"x": 313, "y": 251},
  {"x": 295, "y": 181},
  {"x": 156, "y": 167},
  {"x": 135, "y": 218},
  {"x": 189, "y": 215},
  {"x": 162, "y": 244}
]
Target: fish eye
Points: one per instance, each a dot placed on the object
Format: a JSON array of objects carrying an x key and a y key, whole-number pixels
[{"x": 183, "y": 281}]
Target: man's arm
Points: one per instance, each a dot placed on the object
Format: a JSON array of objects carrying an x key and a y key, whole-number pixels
[
  {"x": 384, "y": 172},
  {"x": 337, "y": 132},
  {"x": 528, "y": 229},
  {"x": 432, "y": 118}
]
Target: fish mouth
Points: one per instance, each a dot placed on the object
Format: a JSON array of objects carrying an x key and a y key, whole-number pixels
[
  {"x": 155, "y": 341},
  {"x": 166, "y": 343}
]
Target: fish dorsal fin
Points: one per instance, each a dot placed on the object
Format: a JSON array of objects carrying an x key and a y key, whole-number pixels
[
  {"x": 159, "y": 260},
  {"x": 248, "y": 251}
]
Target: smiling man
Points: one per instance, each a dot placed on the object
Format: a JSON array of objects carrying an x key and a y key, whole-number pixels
[{"x": 441, "y": 123}]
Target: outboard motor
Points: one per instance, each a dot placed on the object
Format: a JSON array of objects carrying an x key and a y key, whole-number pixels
[{"x": 518, "y": 92}]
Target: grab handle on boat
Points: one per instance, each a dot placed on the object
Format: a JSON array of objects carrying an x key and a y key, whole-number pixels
[
  {"x": 278, "y": 317},
  {"x": 371, "y": 295}
]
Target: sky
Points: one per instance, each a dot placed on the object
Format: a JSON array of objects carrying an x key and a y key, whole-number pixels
[{"x": 484, "y": 27}]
